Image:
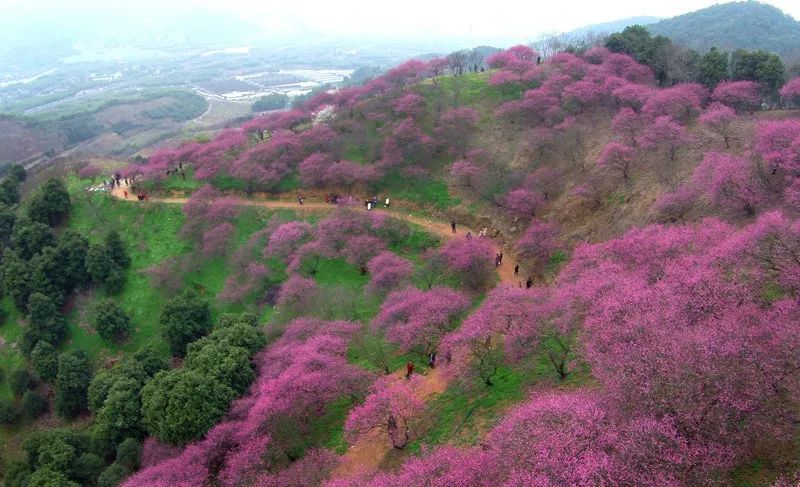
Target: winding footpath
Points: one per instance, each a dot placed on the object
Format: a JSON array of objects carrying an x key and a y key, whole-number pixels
[{"x": 370, "y": 450}]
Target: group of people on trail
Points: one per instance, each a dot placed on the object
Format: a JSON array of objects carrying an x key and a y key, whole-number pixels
[
  {"x": 498, "y": 259},
  {"x": 176, "y": 169},
  {"x": 300, "y": 199},
  {"x": 431, "y": 363},
  {"x": 372, "y": 203}
]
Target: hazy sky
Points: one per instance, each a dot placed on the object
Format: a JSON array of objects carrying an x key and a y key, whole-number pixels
[{"x": 481, "y": 20}]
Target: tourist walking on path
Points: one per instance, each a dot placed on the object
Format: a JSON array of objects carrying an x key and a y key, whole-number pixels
[
  {"x": 432, "y": 360},
  {"x": 528, "y": 283},
  {"x": 409, "y": 370},
  {"x": 516, "y": 270},
  {"x": 453, "y": 226}
]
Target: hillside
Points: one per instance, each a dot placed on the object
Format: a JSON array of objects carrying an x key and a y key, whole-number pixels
[
  {"x": 568, "y": 275},
  {"x": 748, "y": 25}
]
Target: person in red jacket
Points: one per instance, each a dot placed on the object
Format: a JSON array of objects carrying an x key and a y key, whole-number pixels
[{"x": 409, "y": 370}]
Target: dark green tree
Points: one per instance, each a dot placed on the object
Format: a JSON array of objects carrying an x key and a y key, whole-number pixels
[
  {"x": 9, "y": 414},
  {"x": 238, "y": 335},
  {"x": 103, "y": 270},
  {"x": 713, "y": 68},
  {"x": 184, "y": 319},
  {"x": 45, "y": 323},
  {"x": 112, "y": 476},
  {"x": 759, "y": 66},
  {"x": 129, "y": 453},
  {"x": 44, "y": 358},
  {"x": 120, "y": 414},
  {"x": 9, "y": 191},
  {"x": 33, "y": 404},
  {"x": 116, "y": 250},
  {"x": 50, "y": 204},
  {"x": 16, "y": 473},
  {"x": 182, "y": 405},
  {"x": 47, "y": 275},
  {"x": 18, "y": 172},
  {"x": 88, "y": 468},
  {"x": 228, "y": 365},
  {"x": 151, "y": 360},
  {"x": 47, "y": 477},
  {"x": 71, "y": 249},
  {"x": 16, "y": 279},
  {"x": 30, "y": 237},
  {"x": 7, "y": 220},
  {"x": 20, "y": 381},
  {"x": 72, "y": 383},
  {"x": 111, "y": 322}
]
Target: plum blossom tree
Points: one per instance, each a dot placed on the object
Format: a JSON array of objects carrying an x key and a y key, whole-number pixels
[
  {"x": 740, "y": 95},
  {"x": 313, "y": 169},
  {"x": 545, "y": 180},
  {"x": 673, "y": 206},
  {"x": 360, "y": 249},
  {"x": 470, "y": 260},
  {"x": 417, "y": 320},
  {"x": 287, "y": 238},
  {"x": 719, "y": 118},
  {"x": 455, "y": 127},
  {"x": 388, "y": 271},
  {"x": 791, "y": 91},
  {"x": 524, "y": 201},
  {"x": 618, "y": 157},
  {"x": 297, "y": 293},
  {"x": 667, "y": 134},
  {"x": 538, "y": 244},
  {"x": 215, "y": 240},
  {"x": 392, "y": 406},
  {"x": 679, "y": 102},
  {"x": 729, "y": 181},
  {"x": 778, "y": 143},
  {"x": 628, "y": 126},
  {"x": 632, "y": 95},
  {"x": 410, "y": 105}
]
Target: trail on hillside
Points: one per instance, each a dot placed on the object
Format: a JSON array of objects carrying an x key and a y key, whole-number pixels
[
  {"x": 368, "y": 452},
  {"x": 440, "y": 228}
]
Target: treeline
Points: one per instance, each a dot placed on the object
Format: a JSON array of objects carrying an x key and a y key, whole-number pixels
[
  {"x": 672, "y": 63},
  {"x": 42, "y": 265}
]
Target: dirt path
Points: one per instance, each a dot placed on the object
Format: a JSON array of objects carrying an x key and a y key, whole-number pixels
[
  {"x": 368, "y": 452},
  {"x": 440, "y": 228}
]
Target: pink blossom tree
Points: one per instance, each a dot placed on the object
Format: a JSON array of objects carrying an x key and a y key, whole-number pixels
[
  {"x": 524, "y": 201},
  {"x": 388, "y": 271},
  {"x": 409, "y": 105},
  {"x": 546, "y": 180},
  {"x": 287, "y": 238},
  {"x": 537, "y": 245},
  {"x": 455, "y": 128},
  {"x": 297, "y": 293},
  {"x": 618, "y": 157},
  {"x": 417, "y": 320},
  {"x": 791, "y": 91},
  {"x": 741, "y": 95},
  {"x": 628, "y": 126},
  {"x": 313, "y": 169},
  {"x": 730, "y": 182},
  {"x": 719, "y": 118},
  {"x": 360, "y": 249},
  {"x": 471, "y": 260},
  {"x": 392, "y": 406},
  {"x": 679, "y": 102},
  {"x": 665, "y": 134},
  {"x": 215, "y": 240}
]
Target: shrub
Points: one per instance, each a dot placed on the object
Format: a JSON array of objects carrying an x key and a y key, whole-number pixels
[
  {"x": 33, "y": 404},
  {"x": 111, "y": 322}
]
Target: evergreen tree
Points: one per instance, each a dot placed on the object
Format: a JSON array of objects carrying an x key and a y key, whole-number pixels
[
  {"x": 9, "y": 191},
  {"x": 30, "y": 237},
  {"x": 111, "y": 322},
  {"x": 116, "y": 250},
  {"x": 713, "y": 67},
  {"x": 184, "y": 319},
  {"x": 45, "y": 322},
  {"x": 72, "y": 383},
  {"x": 50, "y": 203},
  {"x": 44, "y": 358}
]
